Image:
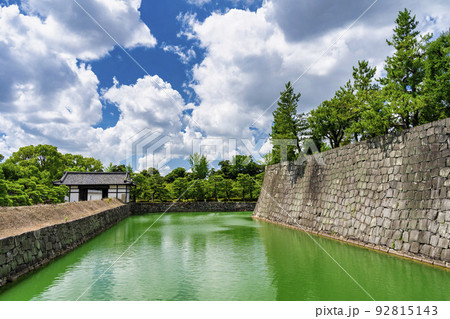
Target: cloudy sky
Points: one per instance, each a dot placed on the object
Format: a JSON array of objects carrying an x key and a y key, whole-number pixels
[{"x": 161, "y": 79}]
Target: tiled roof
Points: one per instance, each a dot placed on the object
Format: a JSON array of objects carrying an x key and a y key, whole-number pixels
[{"x": 89, "y": 178}]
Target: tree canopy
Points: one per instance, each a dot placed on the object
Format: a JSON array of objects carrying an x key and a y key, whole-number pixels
[
  {"x": 26, "y": 176},
  {"x": 415, "y": 90}
]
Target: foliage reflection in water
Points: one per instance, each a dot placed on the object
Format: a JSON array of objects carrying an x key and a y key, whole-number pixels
[{"x": 224, "y": 256}]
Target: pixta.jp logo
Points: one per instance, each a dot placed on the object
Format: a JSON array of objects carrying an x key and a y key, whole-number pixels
[{"x": 148, "y": 149}]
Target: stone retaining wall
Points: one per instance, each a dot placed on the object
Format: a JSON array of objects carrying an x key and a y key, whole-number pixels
[
  {"x": 144, "y": 208},
  {"x": 390, "y": 193},
  {"x": 22, "y": 253}
]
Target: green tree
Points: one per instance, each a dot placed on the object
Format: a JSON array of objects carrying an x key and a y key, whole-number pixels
[
  {"x": 174, "y": 174},
  {"x": 216, "y": 185},
  {"x": 118, "y": 168},
  {"x": 139, "y": 191},
  {"x": 405, "y": 72},
  {"x": 4, "y": 200},
  {"x": 45, "y": 158},
  {"x": 245, "y": 185},
  {"x": 79, "y": 163},
  {"x": 437, "y": 79},
  {"x": 333, "y": 118},
  {"x": 199, "y": 165},
  {"x": 228, "y": 187},
  {"x": 225, "y": 169},
  {"x": 198, "y": 189},
  {"x": 179, "y": 187},
  {"x": 156, "y": 187},
  {"x": 285, "y": 126},
  {"x": 150, "y": 185},
  {"x": 1, "y": 158},
  {"x": 243, "y": 164},
  {"x": 371, "y": 117},
  {"x": 258, "y": 184},
  {"x": 16, "y": 194}
]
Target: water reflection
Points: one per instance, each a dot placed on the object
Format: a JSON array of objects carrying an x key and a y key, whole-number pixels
[
  {"x": 223, "y": 256},
  {"x": 303, "y": 271}
]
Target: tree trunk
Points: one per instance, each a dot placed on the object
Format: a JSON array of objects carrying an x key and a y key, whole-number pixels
[{"x": 416, "y": 119}]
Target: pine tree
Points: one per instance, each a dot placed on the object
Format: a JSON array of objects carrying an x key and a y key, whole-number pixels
[
  {"x": 405, "y": 71},
  {"x": 371, "y": 117},
  {"x": 285, "y": 126},
  {"x": 199, "y": 165}
]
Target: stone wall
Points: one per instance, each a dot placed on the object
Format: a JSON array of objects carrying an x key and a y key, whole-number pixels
[
  {"x": 390, "y": 193},
  {"x": 144, "y": 208},
  {"x": 22, "y": 253}
]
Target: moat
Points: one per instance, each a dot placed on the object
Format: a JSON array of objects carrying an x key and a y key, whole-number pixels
[{"x": 224, "y": 256}]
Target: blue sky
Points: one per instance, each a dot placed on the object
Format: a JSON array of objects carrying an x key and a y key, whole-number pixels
[
  {"x": 208, "y": 73},
  {"x": 162, "y": 17}
]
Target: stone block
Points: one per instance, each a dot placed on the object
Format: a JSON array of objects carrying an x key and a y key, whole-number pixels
[
  {"x": 414, "y": 248},
  {"x": 425, "y": 250},
  {"x": 395, "y": 214},
  {"x": 442, "y": 231},
  {"x": 415, "y": 214},
  {"x": 432, "y": 214},
  {"x": 423, "y": 224},
  {"x": 435, "y": 252},
  {"x": 412, "y": 224},
  {"x": 396, "y": 224},
  {"x": 447, "y": 216},
  {"x": 445, "y": 255},
  {"x": 405, "y": 247},
  {"x": 433, "y": 227},
  {"x": 398, "y": 244},
  {"x": 424, "y": 237},
  {"x": 443, "y": 242},
  {"x": 405, "y": 236},
  {"x": 386, "y": 212},
  {"x": 397, "y": 234},
  {"x": 413, "y": 235},
  {"x": 404, "y": 224},
  {"x": 434, "y": 240},
  {"x": 444, "y": 172},
  {"x": 379, "y": 221}
]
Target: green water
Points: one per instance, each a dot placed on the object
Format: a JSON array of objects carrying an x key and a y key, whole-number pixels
[{"x": 224, "y": 256}]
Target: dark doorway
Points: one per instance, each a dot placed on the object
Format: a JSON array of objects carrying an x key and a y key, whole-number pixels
[{"x": 84, "y": 191}]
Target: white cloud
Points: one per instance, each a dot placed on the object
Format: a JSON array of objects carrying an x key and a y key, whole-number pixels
[
  {"x": 198, "y": 2},
  {"x": 67, "y": 27},
  {"x": 185, "y": 55},
  {"x": 249, "y": 56},
  {"x": 48, "y": 95},
  {"x": 247, "y": 62}
]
